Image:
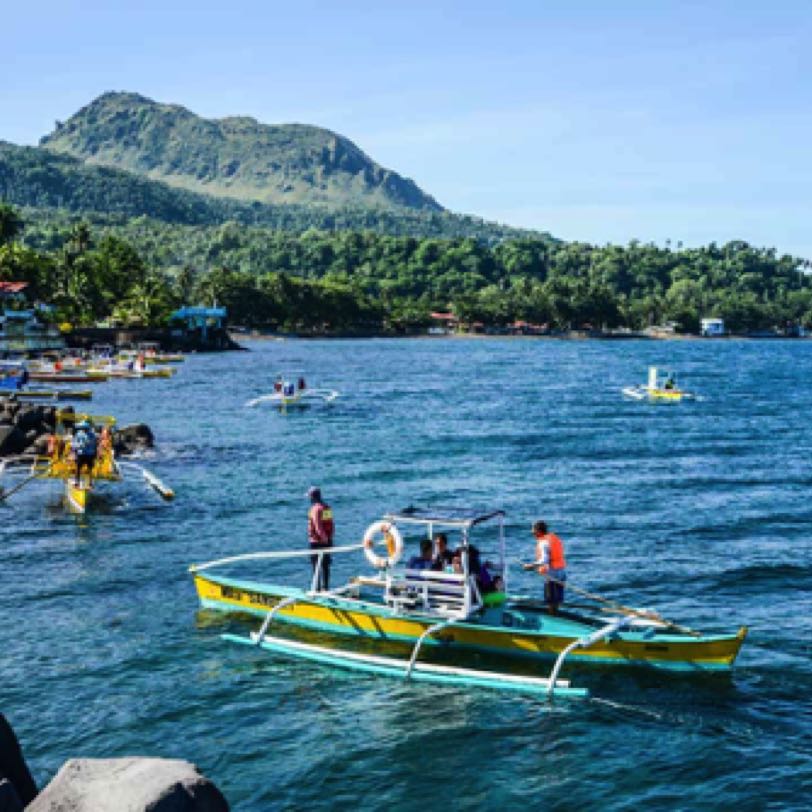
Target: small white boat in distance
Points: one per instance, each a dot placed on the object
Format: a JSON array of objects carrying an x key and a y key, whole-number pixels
[
  {"x": 287, "y": 393},
  {"x": 660, "y": 387}
]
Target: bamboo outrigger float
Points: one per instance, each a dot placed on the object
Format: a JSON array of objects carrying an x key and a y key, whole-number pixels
[
  {"x": 79, "y": 490},
  {"x": 433, "y": 609}
]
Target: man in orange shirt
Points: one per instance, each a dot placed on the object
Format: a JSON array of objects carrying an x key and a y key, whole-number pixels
[
  {"x": 550, "y": 563},
  {"x": 320, "y": 530}
]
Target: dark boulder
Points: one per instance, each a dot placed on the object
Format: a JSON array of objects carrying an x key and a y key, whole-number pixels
[
  {"x": 9, "y": 799},
  {"x": 132, "y": 784},
  {"x": 12, "y": 441},
  {"x": 29, "y": 417},
  {"x": 136, "y": 437},
  {"x": 13, "y": 767}
]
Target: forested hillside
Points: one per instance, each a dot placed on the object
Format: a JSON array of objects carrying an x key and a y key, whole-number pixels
[
  {"x": 236, "y": 157},
  {"x": 39, "y": 178}
]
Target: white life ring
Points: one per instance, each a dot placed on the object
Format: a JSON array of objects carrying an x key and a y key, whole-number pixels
[{"x": 393, "y": 540}]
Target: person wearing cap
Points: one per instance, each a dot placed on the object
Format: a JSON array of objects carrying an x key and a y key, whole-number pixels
[
  {"x": 550, "y": 563},
  {"x": 84, "y": 449},
  {"x": 320, "y": 530}
]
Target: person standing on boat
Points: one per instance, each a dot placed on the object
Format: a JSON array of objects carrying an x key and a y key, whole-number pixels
[
  {"x": 320, "y": 530},
  {"x": 550, "y": 563},
  {"x": 84, "y": 448}
]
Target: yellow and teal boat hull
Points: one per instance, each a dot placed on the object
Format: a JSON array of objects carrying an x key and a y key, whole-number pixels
[{"x": 514, "y": 629}]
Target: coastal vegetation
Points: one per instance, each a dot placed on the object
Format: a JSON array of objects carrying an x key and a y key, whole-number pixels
[{"x": 137, "y": 270}]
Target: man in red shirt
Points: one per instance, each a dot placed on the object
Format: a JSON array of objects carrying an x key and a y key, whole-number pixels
[{"x": 320, "y": 530}]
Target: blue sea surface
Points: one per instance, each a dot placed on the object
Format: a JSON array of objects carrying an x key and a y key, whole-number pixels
[{"x": 700, "y": 509}]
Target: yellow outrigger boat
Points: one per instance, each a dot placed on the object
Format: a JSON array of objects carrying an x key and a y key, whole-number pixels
[
  {"x": 452, "y": 610},
  {"x": 80, "y": 490}
]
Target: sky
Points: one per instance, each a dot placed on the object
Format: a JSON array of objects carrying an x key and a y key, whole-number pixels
[{"x": 602, "y": 121}]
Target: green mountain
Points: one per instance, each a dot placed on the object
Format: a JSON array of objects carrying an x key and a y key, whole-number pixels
[
  {"x": 237, "y": 157},
  {"x": 57, "y": 185}
]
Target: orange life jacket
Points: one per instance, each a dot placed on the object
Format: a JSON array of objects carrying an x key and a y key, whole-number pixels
[{"x": 557, "y": 561}]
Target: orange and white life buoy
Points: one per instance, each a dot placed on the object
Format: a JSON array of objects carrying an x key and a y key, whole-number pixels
[{"x": 392, "y": 539}]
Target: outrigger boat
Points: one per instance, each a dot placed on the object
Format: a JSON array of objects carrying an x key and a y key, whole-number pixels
[
  {"x": 451, "y": 610},
  {"x": 55, "y": 394},
  {"x": 54, "y": 375},
  {"x": 659, "y": 387},
  {"x": 59, "y": 464},
  {"x": 287, "y": 393},
  {"x": 14, "y": 377}
]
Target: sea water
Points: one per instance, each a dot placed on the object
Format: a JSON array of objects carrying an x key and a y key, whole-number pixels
[{"x": 700, "y": 509}]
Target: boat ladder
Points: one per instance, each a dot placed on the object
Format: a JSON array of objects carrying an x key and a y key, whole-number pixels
[{"x": 584, "y": 642}]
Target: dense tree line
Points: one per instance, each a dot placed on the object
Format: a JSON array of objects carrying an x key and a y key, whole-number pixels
[{"x": 324, "y": 280}]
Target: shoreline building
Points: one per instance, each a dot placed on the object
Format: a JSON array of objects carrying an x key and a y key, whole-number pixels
[{"x": 712, "y": 327}]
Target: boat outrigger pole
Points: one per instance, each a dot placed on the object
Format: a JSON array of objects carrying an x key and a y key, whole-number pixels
[{"x": 163, "y": 490}]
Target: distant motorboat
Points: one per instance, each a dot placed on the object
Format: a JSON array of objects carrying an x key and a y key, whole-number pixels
[
  {"x": 286, "y": 394},
  {"x": 660, "y": 387}
]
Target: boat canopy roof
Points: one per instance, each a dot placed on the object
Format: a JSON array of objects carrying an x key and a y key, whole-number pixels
[{"x": 451, "y": 516}]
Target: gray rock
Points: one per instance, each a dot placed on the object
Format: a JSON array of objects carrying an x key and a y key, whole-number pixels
[
  {"x": 9, "y": 799},
  {"x": 12, "y": 441},
  {"x": 129, "y": 785}
]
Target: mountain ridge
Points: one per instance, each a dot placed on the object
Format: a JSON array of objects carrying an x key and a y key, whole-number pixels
[
  {"x": 49, "y": 181},
  {"x": 236, "y": 157}
]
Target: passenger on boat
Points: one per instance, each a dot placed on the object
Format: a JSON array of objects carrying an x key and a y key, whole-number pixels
[
  {"x": 277, "y": 385},
  {"x": 442, "y": 555},
  {"x": 670, "y": 383},
  {"x": 84, "y": 448},
  {"x": 288, "y": 389},
  {"x": 301, "y": 384},
  {"x": 423, "y": 561},
  {"x": 320, "y": 531},
  {"x": 105, "y": 442},
  {"x": 550, "y": 563}
]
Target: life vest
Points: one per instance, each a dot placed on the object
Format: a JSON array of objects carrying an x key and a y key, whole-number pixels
[
  {"x": 84, "y": 443},
  {"x": 556, "y": 548},
  {"x": 323, "y": 512}
]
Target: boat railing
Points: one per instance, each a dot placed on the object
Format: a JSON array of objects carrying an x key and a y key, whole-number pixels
[{"x": 274, "y": 555}]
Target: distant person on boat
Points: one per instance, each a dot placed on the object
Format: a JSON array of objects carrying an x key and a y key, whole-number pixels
[
  {"x": 425, "y": 560},
  {"x": 302, "y": 384},
  {"x": 550, "y": 563},
  {"x": 84, "y": 445},
  {"x": 442, "y": 555},
  {"x": 277, "y": 385},
  {"x": 320, "y": 530},
  {"x": 670, "y": 383}
]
